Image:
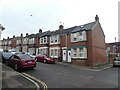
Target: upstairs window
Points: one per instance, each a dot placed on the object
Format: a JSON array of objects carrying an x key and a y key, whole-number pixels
[
  {"x": 43, "y": 40},
  {"x": 78, "y": 36},
  {"x": 54, "y": 39}
]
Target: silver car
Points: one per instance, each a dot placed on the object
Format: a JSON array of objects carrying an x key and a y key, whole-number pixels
[{"x": 116, "y": 61}]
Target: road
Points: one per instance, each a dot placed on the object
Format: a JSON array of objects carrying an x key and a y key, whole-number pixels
[{"x": 60, "y": 76}]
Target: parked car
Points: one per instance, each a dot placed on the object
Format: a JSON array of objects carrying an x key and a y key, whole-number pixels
[
  {"x": 6, "y": 56},
  {"x": 116, "y": 61},
  {"x": 21, "y": 61},
  {"x": 32, "y": 55},
  {"x": 44, "y": 59}
]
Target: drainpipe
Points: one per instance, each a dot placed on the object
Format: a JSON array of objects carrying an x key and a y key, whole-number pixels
[{"x": 66, "y": 49}]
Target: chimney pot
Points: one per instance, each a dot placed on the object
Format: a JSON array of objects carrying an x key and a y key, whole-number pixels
[
  {"x": 61, "y": 27},
  {"x": 13, "y": 36},
  {"x": 26, "y": 34},
  {"x": 21, "y": 35},
  {"x": 96, "y": 18},
  {"x": 40, "y": 30}
]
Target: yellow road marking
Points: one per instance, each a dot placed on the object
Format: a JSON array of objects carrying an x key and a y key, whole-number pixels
[
  {"x": 39, "y": 81},
  {"x": 31, "y": 81}
]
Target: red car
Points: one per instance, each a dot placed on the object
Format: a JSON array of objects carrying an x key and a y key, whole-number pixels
[
  {"x": 44, "y": 59},
  {"x": 21, "y": 61}
]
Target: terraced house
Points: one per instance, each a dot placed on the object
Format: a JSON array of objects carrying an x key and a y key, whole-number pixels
[{"x": 82, "y": 45}]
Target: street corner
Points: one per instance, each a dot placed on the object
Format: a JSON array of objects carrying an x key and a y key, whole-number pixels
[{"x": 13, "y": 79}]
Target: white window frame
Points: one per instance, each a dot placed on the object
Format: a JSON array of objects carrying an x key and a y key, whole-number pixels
[
  {"x": 78, "y": 37},
  {"x": 31, "y": 40},
  {"x": 42, "y": 40},
  {"x": 55, "y": 54},
  {"x": 78, "y": 52},
  {"x": 54, "y": 38}
]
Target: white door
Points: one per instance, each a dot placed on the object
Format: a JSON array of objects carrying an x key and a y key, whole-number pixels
[
  {"x": 64, "y": 55},
  {"x": 37, "y": 51},
  {"x": 69, "y": 56}
]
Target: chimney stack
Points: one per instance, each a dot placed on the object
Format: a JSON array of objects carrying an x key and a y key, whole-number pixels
[
  {"x": 8, "y": 37},
  {"x": 40, "y": 30},
  {"x": 26, "y": 34},
  {"x": 61, "y": 27},
  {"x": 21, "y": 35},
  {"x": 96, "y": 18},
  {"x": 13, "y": 36}
]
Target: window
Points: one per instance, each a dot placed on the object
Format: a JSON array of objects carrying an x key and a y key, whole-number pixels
[
  {"x": 51, "y": 39},
  {"x": 75, "y": 37},
  {"x": 80, "y": 33},
  {"x": 55, "y": 52},
  {"x": 41, "y": 40},
  {"x": 31, "y": 41},
  {"x": 75, "y": 52},
  {"x": 54, "y": 39},
  {"x": 52, "y": 52},
  {"x": 45, "y": 39},
  {"x": 78, "y": 36},
  {"x": 79, "y": 52}
]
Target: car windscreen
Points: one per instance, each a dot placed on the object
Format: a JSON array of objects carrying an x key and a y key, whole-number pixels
[
  {"x": 7, "y": 55},
  {"x": 116, "y": 59},
  {"x": 25, "y": 57}
]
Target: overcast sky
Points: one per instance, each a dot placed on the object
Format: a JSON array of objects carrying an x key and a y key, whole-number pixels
[{"x": 28, "y": 16}]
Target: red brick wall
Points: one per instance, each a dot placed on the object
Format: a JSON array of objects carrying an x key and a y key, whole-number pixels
[{"x": 98, "y": 46}]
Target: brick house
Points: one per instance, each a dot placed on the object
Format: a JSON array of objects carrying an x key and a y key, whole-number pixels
[
  {"x": 4, "y": 44},
  {"x": 19, "y": 42},
  {"x": 31, "y": 43},
  {"x": 88, "y": 44},
  {"x": 44, "y": 43},
  {"x": 25, "y": 43},
  {"x": 82, "y": 45},
  {"x": 58, "y": 42},
  {"x": 113, "y": 49}
]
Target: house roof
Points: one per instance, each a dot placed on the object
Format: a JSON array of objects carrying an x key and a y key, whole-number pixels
[
  {"x": 87, "y": 26},
  {"x": 30, "y": 36},
  {"x": 64, "y": 31}
]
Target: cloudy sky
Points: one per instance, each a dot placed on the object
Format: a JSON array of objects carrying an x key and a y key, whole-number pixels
[{"x": 28, "y": 16}]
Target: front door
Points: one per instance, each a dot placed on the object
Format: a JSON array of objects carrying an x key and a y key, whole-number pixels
[
  {"x": 64, "y": 55},
  {"x": 37, "y": 51},
  {"x": 69, "y": 56}
]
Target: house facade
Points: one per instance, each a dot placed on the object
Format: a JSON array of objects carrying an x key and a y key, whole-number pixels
[
  {"x": 81, "y": 45},
  {"x": 113, "y": 50}
]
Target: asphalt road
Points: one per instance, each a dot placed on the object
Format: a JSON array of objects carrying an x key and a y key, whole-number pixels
[{"x": 60, "y": 76}]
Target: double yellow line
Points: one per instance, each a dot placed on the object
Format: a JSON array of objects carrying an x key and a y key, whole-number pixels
[{"x": 35, "y": 79}]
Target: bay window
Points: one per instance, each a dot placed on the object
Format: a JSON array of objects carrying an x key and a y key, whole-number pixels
[{"x": 54, "y": 52}]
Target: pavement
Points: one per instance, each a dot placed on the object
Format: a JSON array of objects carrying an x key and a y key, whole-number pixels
[
  {"x": 13, "y": 79},
  {"x": 92, "y": 68}
]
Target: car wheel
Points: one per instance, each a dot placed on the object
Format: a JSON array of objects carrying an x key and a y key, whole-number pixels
[
  {"x": 45, "y": 61},
  {"x": 16, "y": 67},
  {"x": 6, "y": 63}
]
